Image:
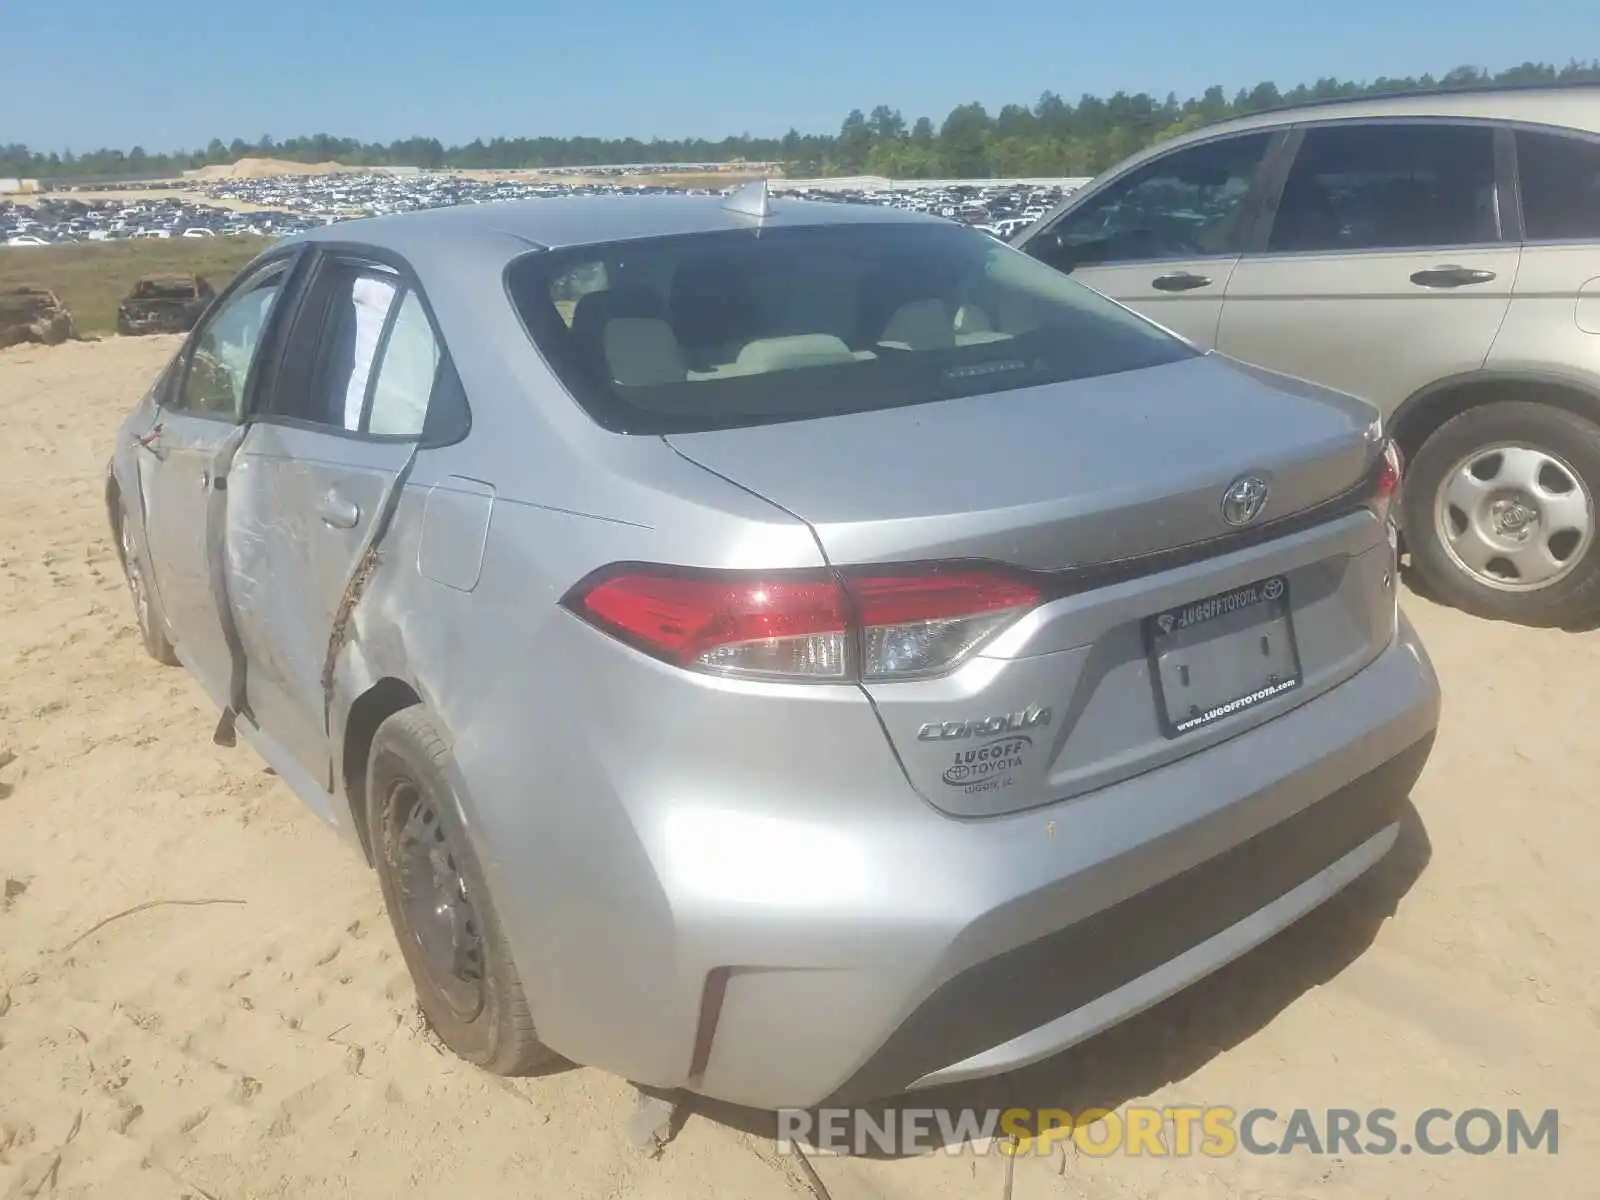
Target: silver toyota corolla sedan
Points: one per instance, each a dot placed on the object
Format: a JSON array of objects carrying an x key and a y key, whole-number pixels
[{"x": 785, "y": 651}]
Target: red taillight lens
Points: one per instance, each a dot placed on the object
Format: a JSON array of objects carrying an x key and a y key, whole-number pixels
[
  {"x": 1387, "y": 483},
  {"x": 725, "y": 621},
  {"x": 894, "y": 624}
]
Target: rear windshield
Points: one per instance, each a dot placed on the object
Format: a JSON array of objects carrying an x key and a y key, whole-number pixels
[{"x": 721, "y": 330}]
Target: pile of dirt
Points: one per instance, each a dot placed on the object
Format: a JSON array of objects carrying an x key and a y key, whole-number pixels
[{"x": 266, "y": 168}]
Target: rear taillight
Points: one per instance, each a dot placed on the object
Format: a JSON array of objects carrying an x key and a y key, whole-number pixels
[
  {"x": 923, "y": 624},
  {"x": 789, "y": 626},
  {"x": 1386, "y": 480},
  {"x": 871, "y": 624}
]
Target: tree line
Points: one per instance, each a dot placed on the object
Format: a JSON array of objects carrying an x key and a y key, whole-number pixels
[{"x": 1053, "y": 137}]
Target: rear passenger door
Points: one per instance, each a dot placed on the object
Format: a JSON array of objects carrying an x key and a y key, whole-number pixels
[
  {"x": 1385, "y": 264},
  {"x": 1554, "y": 322},
  {"x": 1164, "y": 237},
  {"x": 314, "y": 479}
]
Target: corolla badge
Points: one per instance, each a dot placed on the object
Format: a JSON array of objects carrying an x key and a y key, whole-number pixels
[{"x": 1243, "y": 501}]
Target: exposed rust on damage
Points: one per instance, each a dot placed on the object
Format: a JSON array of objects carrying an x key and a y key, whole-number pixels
[{"x": 340, "y": 633}]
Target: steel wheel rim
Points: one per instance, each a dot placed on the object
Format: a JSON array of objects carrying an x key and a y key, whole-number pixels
[
  {"x": 1514, "y": 518},
  {"x": 130, "y": 568},
  {"x": 437, "y": 907}
]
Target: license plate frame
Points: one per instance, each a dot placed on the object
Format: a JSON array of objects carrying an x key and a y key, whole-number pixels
[{"x": 1205, "y": 635}]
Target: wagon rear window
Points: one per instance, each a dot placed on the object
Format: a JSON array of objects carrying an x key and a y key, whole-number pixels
[{"x": 716, "y": 331}]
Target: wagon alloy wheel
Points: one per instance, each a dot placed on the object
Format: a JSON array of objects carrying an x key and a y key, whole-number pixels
[
  {"x": 1515, "y": 518},
  {"x": 438, "y": 906}
]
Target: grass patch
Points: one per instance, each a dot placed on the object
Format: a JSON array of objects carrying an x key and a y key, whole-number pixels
[{"x": 91, "y": 278}]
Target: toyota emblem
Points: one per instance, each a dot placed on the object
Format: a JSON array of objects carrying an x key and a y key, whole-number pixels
[{"x": 1244, "y": 500}]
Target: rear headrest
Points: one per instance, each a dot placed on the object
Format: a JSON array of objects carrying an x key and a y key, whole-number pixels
[
  {"x": 713, "y": 304},
  {"x": 597, "y": 309},
  {"x": 921, "y": 325},
  {"x": 641, "y": 351}
]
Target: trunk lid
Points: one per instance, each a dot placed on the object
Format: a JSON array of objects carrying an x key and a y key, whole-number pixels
[
  {"x": 1080, "y": 693},
  {"x": 1048, "y": 477}
]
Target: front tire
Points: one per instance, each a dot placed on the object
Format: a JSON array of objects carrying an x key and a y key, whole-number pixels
[
  {"x": 439, "y": 903},
  {"x": 1499, "y": 510},
  {"x": 147, "y": 613}
]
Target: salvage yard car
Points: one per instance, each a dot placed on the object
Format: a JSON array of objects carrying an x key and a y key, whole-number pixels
[
  {"x": 33, "y": 314},
  {"x": 748, "y": 637},
  {"x": 1436, "y": 254},
  {"x": 167, "y": 303}
]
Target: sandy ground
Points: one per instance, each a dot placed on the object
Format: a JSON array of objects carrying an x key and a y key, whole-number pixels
[{"x": 269, "y": 1046}]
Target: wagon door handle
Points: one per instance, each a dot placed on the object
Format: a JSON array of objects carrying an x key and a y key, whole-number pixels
[
  {"x": 1180, "y": 281},
  {"x": 1451, "y": 277},
  {"x": 338, "y": 512}
]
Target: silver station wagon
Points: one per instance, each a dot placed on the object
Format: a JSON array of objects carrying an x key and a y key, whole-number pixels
[
  {"x": 1436, "y": 254},
  {"x": 772, "y": 649}
]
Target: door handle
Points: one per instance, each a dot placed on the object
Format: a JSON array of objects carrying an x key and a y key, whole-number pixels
[
  {"x": 1180, "y": 281},
  {"x": 338, "y": 512},
  {"x": 1451, "y": 277}
]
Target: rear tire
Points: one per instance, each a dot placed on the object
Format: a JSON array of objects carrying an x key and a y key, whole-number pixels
[
  {"x": 439, "y": 903},
  {"x": 147, "y": 612},
  {"x": 1500, "y": 514}
]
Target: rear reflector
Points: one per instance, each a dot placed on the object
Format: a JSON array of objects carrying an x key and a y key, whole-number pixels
[{"x": 871, "y": 623}]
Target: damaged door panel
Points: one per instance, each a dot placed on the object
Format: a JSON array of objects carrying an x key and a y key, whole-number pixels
[
  {"x": 312, "y": 491},
  {"x": 303, "y": 508},
  {"x": 178, "y": 465},
  {"x": 183, "y": 465}
]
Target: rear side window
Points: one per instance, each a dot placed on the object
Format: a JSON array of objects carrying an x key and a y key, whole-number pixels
[
  {"x": 398, "y": 402},
  {"x": 1374, "y": 187},
  {"x": 722, "y": 330},
  {"x": 1560, "y": 178},
  {"x": 364, "y": 359}
]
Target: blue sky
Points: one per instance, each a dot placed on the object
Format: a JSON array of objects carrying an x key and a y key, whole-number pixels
[{"x": 167, "y": 74}]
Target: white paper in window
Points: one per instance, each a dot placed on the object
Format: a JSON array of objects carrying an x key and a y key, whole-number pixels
[
  {"x": 405, "y": 377},
  {"x": 371, "y": 298}
]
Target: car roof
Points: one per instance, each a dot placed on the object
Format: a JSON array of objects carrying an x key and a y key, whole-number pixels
[
  {"x": 516, "y": 226},
  {"x": 1568, "y": 106},
  {"x": 1574, "y": 106}
]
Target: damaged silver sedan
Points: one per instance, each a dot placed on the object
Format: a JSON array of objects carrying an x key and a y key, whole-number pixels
[{"x": 786, "y": 651}]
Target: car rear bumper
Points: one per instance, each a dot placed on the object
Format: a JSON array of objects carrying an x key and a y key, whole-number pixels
[
  {"x": 778, "y": 937},
  {"x": 1109, "y": 966}
]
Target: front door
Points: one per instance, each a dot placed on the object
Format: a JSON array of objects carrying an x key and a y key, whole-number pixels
[
  {"x": 1163, "y": 239},
  {"x": 312, "y": 480},
  {"x": 181, "y": 458},
  {"x": 1384, "y": 268}
]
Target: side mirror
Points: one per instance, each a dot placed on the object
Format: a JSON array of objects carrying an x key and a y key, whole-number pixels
[{"x": 1051, "y": 248}]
